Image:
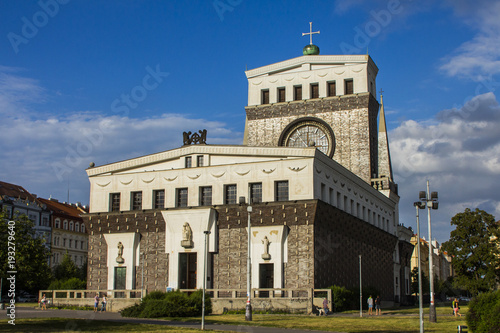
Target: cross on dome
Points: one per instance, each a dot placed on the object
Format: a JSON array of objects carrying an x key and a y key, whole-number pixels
[{"x": 310, "y": 33}]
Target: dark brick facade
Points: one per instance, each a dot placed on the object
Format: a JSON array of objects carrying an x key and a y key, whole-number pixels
[
  {"x": 339, "y": 240},
  {"x": 323, "y": 246}
]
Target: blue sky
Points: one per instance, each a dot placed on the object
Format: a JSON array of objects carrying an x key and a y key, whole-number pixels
[{"x": 67, "y": 67}]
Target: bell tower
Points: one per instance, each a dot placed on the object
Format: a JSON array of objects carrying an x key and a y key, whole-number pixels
[{"x": 326, "y": 101}]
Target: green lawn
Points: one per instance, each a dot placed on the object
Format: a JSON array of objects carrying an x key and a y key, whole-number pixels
[{"x": 397, "y": 321}]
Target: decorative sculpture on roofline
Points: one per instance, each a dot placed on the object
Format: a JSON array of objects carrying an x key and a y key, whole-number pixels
[{"x": 195, "y": 138}]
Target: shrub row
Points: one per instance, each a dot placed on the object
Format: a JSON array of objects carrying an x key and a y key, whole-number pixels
[
  {"x": 348, "y": 299},
  {"x": 172, "y": 304},
  {"x": 484, "y": 313}
]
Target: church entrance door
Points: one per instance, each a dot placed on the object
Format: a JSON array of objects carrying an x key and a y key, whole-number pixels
[
  {"x": 120, "y": 281},
  {"x": 187, "y": 270},
  {"x": 266, "y": 278}
]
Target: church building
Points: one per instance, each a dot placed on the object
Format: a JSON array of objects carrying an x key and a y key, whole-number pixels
[{"x": 314, "y": 167}]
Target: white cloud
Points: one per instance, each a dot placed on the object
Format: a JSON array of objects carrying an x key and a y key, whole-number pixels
[
  {"x": 479, "y": 57},
  {"x": 458, "y": 152},
  {"x": 44, "y": 154}
]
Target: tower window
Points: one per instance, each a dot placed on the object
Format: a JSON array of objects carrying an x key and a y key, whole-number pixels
[
  {"x": 349, "y": 87},
  {"x": 297, "y": 93},
  {"x": 314, "y": 90},
  {"x": 188, "y": 162},
  {"x": 281, "y": 95},
  {"x": 199, "y": 160},
  {"x": 332, "y": 89},
  {"x": 265, "y": 96}
]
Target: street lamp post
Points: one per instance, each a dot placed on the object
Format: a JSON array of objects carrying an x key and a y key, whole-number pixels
[
  {"x": 142, "y": 278},
  {"x": 360, "y": 290},
  {"x": 419, "y": 205},
  {"x": 207, "y": 232},
  {"x": 248, "y": 310},
  {"x": 430, "y": 199}
]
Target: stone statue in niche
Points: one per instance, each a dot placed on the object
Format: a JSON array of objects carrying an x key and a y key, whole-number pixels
[
  {"x": 120, "y": 259},
  {"x": 266, "y": 255},
  {"x": 187, "y": 236}
]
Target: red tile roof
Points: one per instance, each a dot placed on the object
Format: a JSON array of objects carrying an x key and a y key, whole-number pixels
[
  {"x": 15, "y": 191},
  {"x": 60, "y": 208}
]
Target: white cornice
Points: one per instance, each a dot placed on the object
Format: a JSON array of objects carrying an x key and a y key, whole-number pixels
[
  {"x": 311, "y": 59},
  {"x": 277, "y": 152}
]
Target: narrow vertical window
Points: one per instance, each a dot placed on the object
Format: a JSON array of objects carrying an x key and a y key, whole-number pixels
[
  {"x": 159, "y": 199},
  {"x": 265, "y": 96},
  {"x": 332, "y": 89},
  {"x": 114, "y": 202},
  {"x": 297, "y": 93},
  {"x": 136, "y": 201},
  {"x": 182, "y": 197},
  {"x": 281, "y": 190},
  {"x": 188, "y": 162},
  {"x": 199, "y": 160},
  {"x": 205, "y": 196},
  {"x": 314, "y": 90},
  {"x": 230, "y": 194},
  {"x": 281, "y": 95},
  {"x": 255, "y": 192},
  {"x": 349, "y": 87}
]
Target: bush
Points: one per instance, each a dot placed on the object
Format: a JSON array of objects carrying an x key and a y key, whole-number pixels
[
  {"x": 348, "y": 299},
  {"x": 69, "y": 284},
  {"x": 484, "y": 313},
  {"x": 173, "y": 304}
]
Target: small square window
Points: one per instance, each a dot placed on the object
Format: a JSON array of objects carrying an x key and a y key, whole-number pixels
[
  {"x": 230, "y": 194},
  {"x": 114, "y": 202},
  {"x": 255, "y": 193},
  {"x": 199, "y": 160},
  {"x": 136, "y": 201},
  {"x": 206, "y": 196},
  {"x": 281, "y": 190},
  {"x": 182, "y": 197},
  {"x": 159, "y": 199}
]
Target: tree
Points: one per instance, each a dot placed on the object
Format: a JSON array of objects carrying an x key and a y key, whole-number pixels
[
  {"x": 475, "y": 252},
  {"x": 18, "y": 241},
  {"x": 68, "y": 275},
  {"x": 414, "y": 282},
  {"x": 66, "y": 269}
]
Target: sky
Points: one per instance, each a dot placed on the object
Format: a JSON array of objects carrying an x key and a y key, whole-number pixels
[{"x": 104, "y": 81}]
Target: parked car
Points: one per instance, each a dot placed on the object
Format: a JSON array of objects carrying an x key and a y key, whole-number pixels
[{"x": 26, "y": 298}]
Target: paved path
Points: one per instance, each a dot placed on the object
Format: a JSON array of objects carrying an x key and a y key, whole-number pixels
[{"x": 27, "y": 312}]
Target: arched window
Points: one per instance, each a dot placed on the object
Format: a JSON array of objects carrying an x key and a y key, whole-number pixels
[
  {"x": 77, "y": 226},
  {"x": 83, "y": 227},
  {"x": 65, "y": 225},
  {"x": 71, "y": 226},
  {"x": 57, "y": 223}
]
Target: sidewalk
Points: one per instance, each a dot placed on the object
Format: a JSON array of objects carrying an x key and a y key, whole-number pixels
[{"x": 26, "y": 312}]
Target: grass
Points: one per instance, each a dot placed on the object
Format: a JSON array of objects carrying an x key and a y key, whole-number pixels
[
  {"x": 81, "y": 325},
  {"x": 402, "y": 320}
]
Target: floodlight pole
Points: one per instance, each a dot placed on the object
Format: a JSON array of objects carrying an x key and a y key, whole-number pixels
[
  {"x": 432, "y": 307},
  {"x": 418, "y": 205},
  {"x": 360, "y": 290}
]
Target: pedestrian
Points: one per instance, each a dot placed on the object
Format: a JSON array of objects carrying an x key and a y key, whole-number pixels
[
  {"x": 378, "y": 310},
  {"x": 44, "y": 302},
  {"x": 456, "y": 307},
  {"x": 370, "y": 305},
  {"x": 96, "y": 302},
  {"x": 104, "y": 301},
  {"x": 325, "y": 306}
]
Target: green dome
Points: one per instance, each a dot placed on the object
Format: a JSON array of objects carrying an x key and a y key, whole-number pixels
[{"x": 310, "y": 49}]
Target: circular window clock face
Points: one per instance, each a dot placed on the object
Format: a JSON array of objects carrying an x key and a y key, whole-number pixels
[{"x": 310, "y": 133}]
